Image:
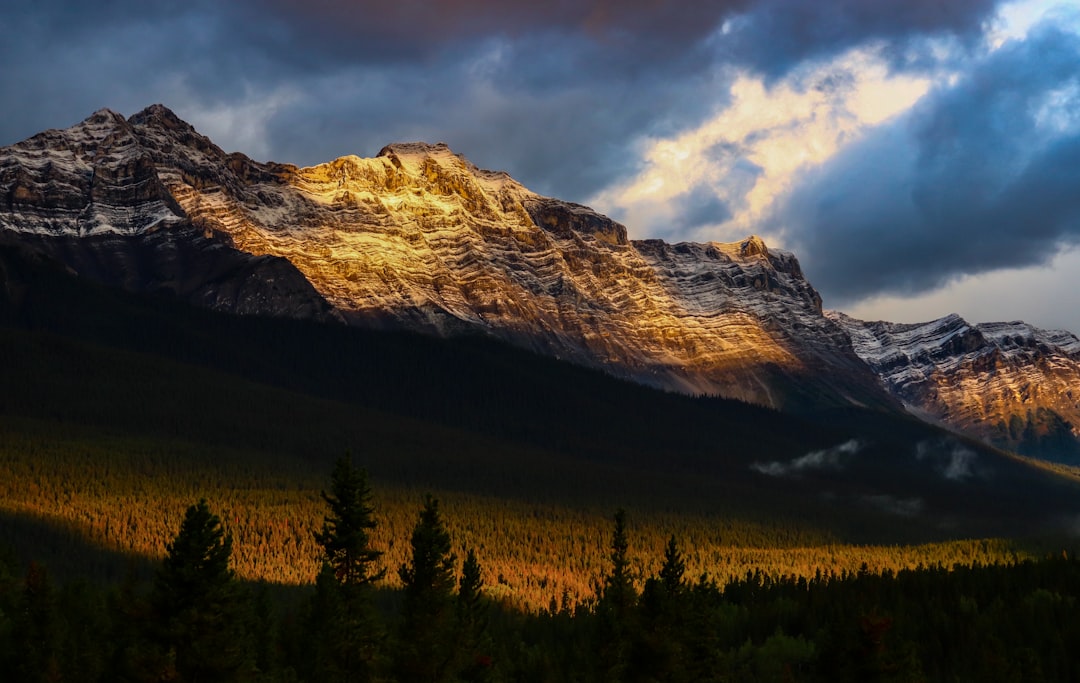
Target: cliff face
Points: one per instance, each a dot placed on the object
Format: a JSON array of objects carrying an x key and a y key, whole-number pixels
[
  {"x": 1011, "y": 384},
  {"x": 91, "y": 196},
  {"x": 419, "y": 238}
]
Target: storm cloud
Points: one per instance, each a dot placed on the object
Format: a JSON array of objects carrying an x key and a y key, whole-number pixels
[
  {"x": 556, "y": 93},
  {"x": 569, "y": 97},
  {"x": 980, "y": 175},
  {"x": 777, "y": 34}
]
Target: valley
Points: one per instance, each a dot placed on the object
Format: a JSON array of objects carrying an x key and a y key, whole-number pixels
[{"x": 118, "y": 412}]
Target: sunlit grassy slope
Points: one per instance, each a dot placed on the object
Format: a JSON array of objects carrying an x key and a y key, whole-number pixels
[{"x": 116, "y": 413}]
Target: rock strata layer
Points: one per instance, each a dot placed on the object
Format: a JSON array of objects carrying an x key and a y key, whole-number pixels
[
  {"x": 1011, "y": 384},
  {"x": 418, "y": 238}
]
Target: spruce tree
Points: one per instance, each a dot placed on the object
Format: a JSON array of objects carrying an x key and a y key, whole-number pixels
[
  {"x": 615, "y": 609},
  {"x": 469, "y": 588},
  {"x": 426, "y": 645},
  {"x": 473, "y": 660},
  {"x": 673, "y": 571},
  {"x": 659, "y": 652},
  {"x": 345, "y": 536},
  {"x": 197, "y": 603},
  {"x": 618, "y": 591},
  {"x": 344, "y": 628}
]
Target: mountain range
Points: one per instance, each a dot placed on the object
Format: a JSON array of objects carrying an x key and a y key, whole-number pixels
[{"x": 419, "y": 239}]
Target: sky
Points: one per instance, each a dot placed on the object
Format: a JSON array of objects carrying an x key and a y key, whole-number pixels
[{"x": 920, "y": 157}]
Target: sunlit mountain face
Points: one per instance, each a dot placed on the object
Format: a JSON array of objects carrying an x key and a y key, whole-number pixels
[
  {"x": 1011, "y": 384},
  {"x": 420, "y": 239}
]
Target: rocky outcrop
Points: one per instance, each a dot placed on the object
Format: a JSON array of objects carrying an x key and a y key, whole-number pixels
[
  {"x": 419, "y": 238},
  {"x": 93, "y": 178},
  {"x": 92, "y": 198},
  {"x": 1011, "y": 384}
]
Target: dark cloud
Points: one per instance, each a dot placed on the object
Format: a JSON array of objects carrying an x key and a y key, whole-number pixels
[
  {"x": 978, "y": 176},
  {"x": 556, "y": 93},
  {"x": 700, "y": 207},
  {"x": 418, "y": 29},
  {"x": 569, "y": 141},
  {"x": 66, "y": 60},
  {"x": 777, "y": 34}
]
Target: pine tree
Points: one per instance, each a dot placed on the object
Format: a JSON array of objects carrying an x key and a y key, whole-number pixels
[
  {"x": 469, "y": 588},
  {"x": 615, "y": 609},
  {"x": 345, "y": 535},
  {"x": 673, "y": 571},
  {"x": 343, "y": 626},
  {"x": 473, "y": 661},
  {"x": 197, "y": 603},
  {"x": 618, "y": 591},
  {"x": 426, "y": 647},
  {"x": 659, "y": 653}
]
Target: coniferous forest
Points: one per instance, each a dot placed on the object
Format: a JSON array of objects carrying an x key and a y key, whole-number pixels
[
  {"x": 192, "y": 619},
  {"x": 172, "y": 509}
]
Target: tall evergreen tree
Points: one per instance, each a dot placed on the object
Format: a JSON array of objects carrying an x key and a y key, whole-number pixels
[
  {"x": 345, "y": 536},
  {"x": 673, "y": 571},
  {"x": 659, "y": 653},
  {"x": 427, "y": 643},
  {"x": 619, "y": 595},
  {"x": 473, "y": 661},
  {"x": 469, "y": 589},
  {"x": 197, "y": 603},
  {"x": 344, "y": 628},
  {"x": 615, "y": 609}
]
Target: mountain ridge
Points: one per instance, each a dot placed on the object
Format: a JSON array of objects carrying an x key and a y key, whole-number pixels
[
  {"x": 418, "y": 238},
  {"x": 1008, "y": 383}
]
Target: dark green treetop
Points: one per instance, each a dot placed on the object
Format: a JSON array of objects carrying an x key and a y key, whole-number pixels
[{"x": 345, "y": 535}]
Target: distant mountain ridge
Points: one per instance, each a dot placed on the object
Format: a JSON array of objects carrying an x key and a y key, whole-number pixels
[
  {"x": 1007, "y": 383},
  {"x": 418, "y": 238}
]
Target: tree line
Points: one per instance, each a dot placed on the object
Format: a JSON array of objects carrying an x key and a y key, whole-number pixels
[{"x": 195, "y": 621}]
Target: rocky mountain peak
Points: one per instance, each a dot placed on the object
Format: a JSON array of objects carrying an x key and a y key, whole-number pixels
[
  {"x": 753, "y": 246},
  {"x": 104, "y": 117},
  {"x": 157, "y": 111},
  {"x": 1009, "y": 383},
  {"x": 94, "y": 178},
  {"x": 416, "y": 149},
  {"x": 447, "y": 172},
  {"x": 419, "y": 238},
  {"x": 161, "y": 117}
]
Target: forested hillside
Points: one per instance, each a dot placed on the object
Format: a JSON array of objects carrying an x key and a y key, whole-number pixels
[
  {"x": 1010, "y": 621},
  {"x": 118, "y": 413}
]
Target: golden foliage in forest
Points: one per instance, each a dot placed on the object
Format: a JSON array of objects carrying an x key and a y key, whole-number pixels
[{"x": 127, "y": 494}]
